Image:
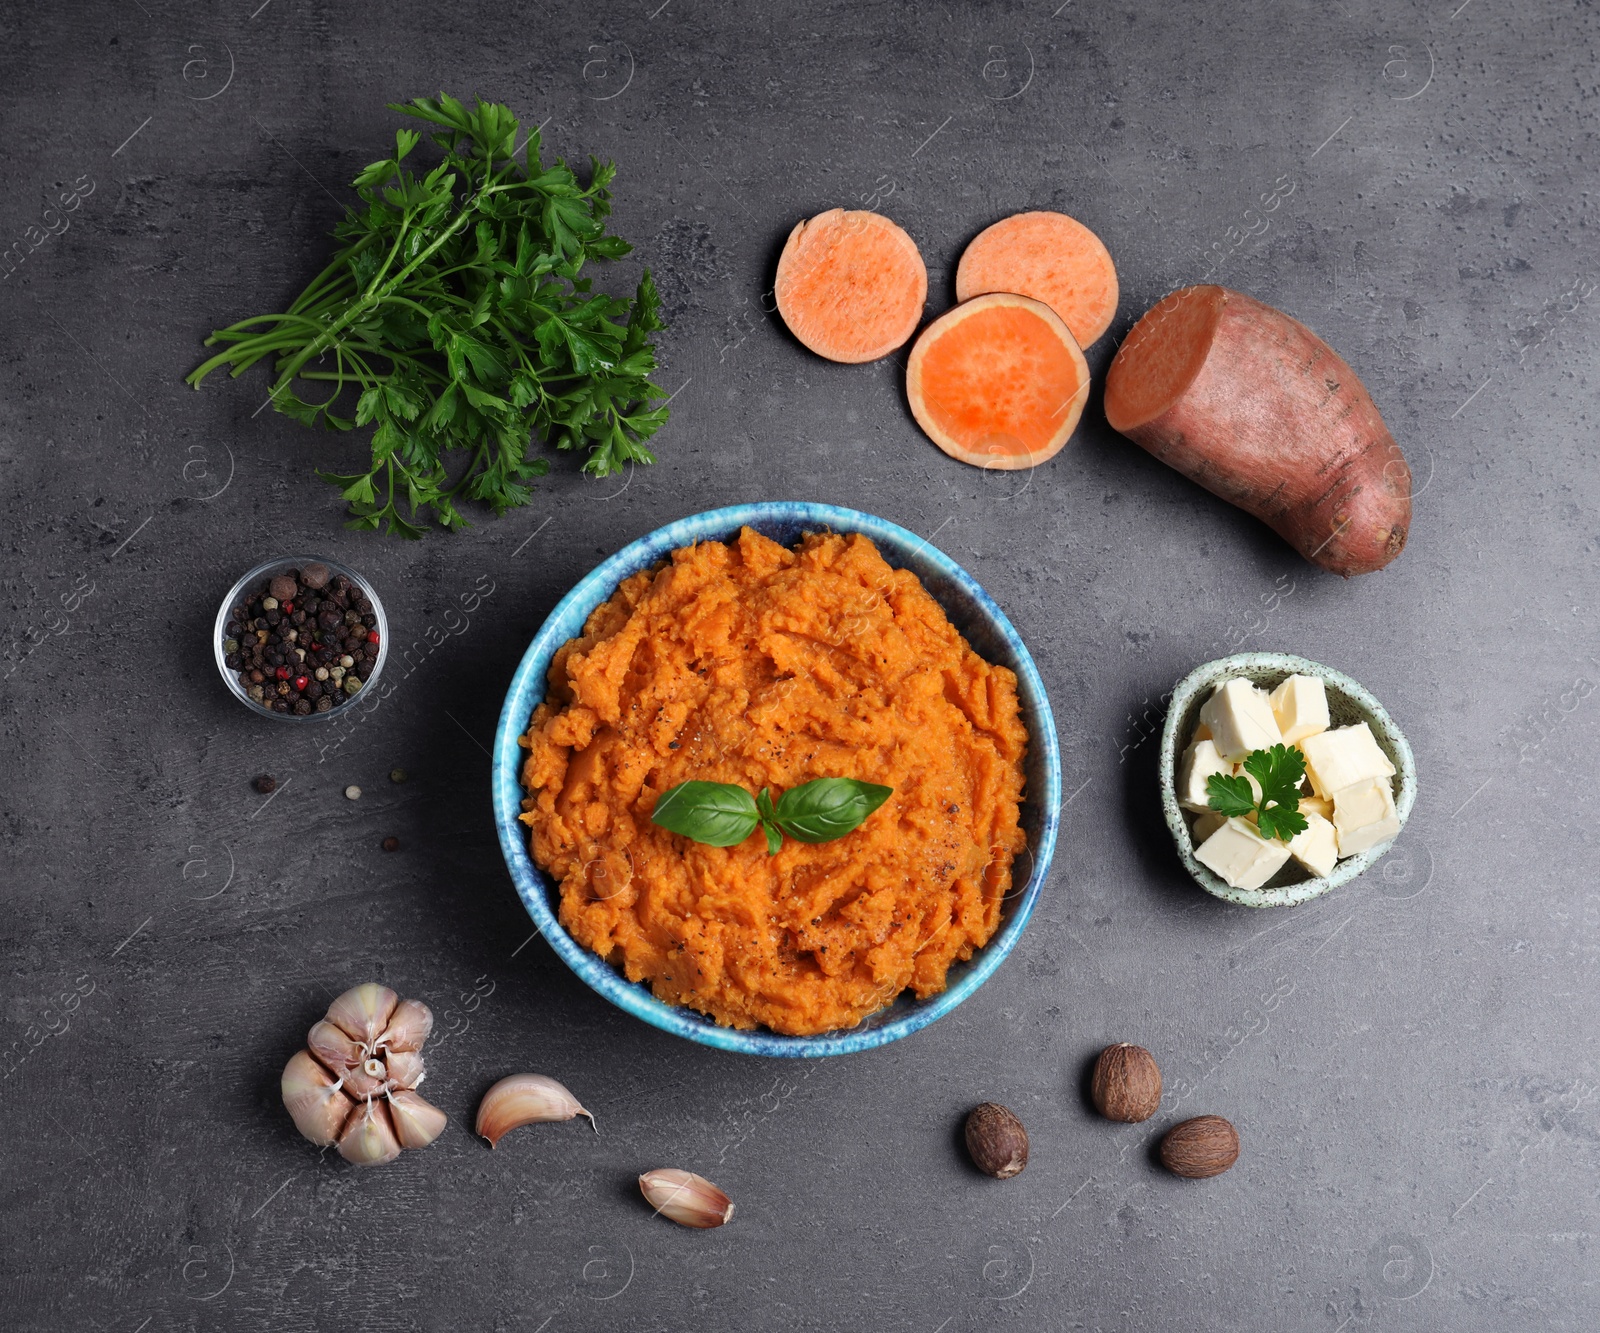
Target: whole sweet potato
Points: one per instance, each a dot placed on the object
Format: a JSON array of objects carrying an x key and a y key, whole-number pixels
[{"x": 1259, "y": 410}]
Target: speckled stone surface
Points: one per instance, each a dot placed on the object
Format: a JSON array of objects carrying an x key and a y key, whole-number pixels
[{"x": 1410, "y": 1060}]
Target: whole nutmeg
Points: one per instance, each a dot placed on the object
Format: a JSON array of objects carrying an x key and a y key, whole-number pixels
[
  {"x": 996, "y": 1140},
  {"x": 1127, "y": 1084},
  {"x": 1205, "y": 1146}
]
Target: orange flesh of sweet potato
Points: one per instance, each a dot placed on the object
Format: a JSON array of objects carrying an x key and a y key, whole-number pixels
[
  {"x": 851, "y": 285},
  {"x": 998, "y": 382},
  {"x": 1259, "y": 410},
  {"x": 1050, "y": 257}
]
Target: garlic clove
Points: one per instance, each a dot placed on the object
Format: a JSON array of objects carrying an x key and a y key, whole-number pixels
[
  {"x": 369, "y": 1139},
  {"x": 525, "y": 1099},
  {"x": 405, "y": 1069},
  {"x": 314, "y": 1099},
  {"x": 408, "y": 1027},
  {"x": 334, "y": 1046},
  {"x": 417, "y": 1123},
  {"x": 364, "y": 1011},
  {"x": 685, "y": 1198}
]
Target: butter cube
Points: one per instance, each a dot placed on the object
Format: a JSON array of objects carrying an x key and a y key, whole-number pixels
[
  {"x": 1241, "y": 856},
  {"x": 1206, "y": 825},
  {"x": 1318, "y": 847},
  {"x": 1343, "y": 757},
  {"x": 1240, "y": 719},
  {"x": 1364, "y": 815},
  {"x": 1300, "y": 707},
  {"x": 1316, "y": 805},
  {"x": 1200, "y": 761}
]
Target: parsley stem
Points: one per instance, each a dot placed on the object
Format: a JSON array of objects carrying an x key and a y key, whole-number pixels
[{"x": 338, "y": 270}]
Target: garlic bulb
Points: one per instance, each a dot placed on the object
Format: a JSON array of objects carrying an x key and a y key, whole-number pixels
[{"x": 355, "y": 1084}]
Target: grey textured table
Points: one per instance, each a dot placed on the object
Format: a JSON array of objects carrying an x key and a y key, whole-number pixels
[{"x": 1411, "y": 1060}]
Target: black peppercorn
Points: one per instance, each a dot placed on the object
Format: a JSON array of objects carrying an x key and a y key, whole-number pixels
[
  {"x": 266, "y": 784},
  {"x": 391, "y": 844},
  {"x": 302, "y": 707}
]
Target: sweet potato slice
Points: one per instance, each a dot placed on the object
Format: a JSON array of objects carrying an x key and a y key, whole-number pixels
[
  {"x": 998, "y": 382},
  {"x": 1050, "y": 257},
  {"x": 851, "y": 285},
  {"x": 1259, "y": 410}
]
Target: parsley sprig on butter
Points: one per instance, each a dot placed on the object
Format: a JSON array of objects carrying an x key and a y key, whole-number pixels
[{"x": 1278, "y": 772}]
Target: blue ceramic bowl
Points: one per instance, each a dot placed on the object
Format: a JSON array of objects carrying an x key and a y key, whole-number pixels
[{"x": 971, "y": 611}]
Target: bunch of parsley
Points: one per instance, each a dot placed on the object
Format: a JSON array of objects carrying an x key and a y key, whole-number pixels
[{"x": 454, "y": 318}]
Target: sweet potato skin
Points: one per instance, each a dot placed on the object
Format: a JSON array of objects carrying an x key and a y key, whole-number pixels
[{"x": 1278, "y": 424}]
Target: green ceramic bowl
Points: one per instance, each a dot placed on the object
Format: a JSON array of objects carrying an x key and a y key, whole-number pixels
[{"x": 1348, "y": 704}]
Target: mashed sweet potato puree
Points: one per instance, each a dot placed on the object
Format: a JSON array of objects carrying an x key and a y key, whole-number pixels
[{"x": 750, "y": 663}]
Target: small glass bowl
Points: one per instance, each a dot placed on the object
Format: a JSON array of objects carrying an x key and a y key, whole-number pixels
[{"x": 270, "y": 569}]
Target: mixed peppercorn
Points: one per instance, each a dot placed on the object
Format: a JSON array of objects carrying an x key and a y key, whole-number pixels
[{"x": 305, "y": 642}]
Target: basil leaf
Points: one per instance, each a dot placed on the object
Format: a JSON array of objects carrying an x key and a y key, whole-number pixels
[
  {"x": 828, "y": 808},
  {"x": 719, "y": 814}
]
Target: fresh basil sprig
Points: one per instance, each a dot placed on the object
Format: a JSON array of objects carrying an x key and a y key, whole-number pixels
[{"x": 724, "y": 814}]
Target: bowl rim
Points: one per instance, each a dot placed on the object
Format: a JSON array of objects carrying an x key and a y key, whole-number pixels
[
  {"x": 593, "y": 588},
  {"x": 230, "y": 678},
  {"x": 1387, "y": 731}
]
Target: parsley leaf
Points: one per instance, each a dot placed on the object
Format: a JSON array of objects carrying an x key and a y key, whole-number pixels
[
  {"x": 1278, "y": 772},
  {"x": 1230, "y": 795},
  {"x": 455, "y": 321}
]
